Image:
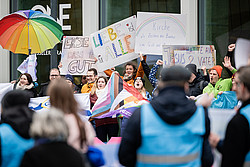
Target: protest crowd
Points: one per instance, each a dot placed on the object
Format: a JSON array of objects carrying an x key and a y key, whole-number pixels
[{"x": 169, "y": 126}]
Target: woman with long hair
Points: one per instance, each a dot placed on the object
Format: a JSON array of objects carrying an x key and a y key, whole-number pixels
[
  {"x": 105, "y": 127},
  {"x": 81, "y": 133},
  {"x": 25, "y": 82}
]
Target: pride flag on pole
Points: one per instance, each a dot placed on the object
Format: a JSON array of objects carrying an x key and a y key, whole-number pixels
[{"x": 118, "y": 98}]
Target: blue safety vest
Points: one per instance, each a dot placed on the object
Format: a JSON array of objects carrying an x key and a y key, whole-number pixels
[
  {"x": 164, "y": 144},
  {"x": 245, "y": 111},
  {"x": 13, "y": 146}
]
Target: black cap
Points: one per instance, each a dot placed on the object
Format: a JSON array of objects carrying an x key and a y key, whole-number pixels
[
  {"x": 192, "y": 68},
  {"x": 175, "y": 73}
]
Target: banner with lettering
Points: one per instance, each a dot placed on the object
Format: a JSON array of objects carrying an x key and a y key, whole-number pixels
[
  {"x": 114, "y": 45},
  {"x": 201, "y": 55},
  {"x": 77, "y": 55},
  {"x": 156, "y": 29}
]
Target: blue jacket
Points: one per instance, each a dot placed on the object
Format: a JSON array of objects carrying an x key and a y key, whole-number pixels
[
  {"x": 172, "y": 106},
  {"x": 168, "y": 145},
  {"x": 13, "y": 146}
]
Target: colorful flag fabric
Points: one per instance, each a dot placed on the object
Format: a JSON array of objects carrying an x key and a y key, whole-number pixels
[{"x": 118, "y": 98}]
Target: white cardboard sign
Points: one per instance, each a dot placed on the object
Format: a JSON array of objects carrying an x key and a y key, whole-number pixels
[
  {"x": 114, "y": 45},
  {"x": 77, "y": 55},
  {"x": 156, "y": 29}
]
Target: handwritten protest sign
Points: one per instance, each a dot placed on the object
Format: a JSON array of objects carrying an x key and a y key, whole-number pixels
[
  {"x": 77, "y": 55},
  {"x": 156, "y": 29},
  {"x": 186, "y": 57},
  {"x": 186, "y": 54},
  {"x": 242, "y": 52},
  {"x": 115, "y": 44}
]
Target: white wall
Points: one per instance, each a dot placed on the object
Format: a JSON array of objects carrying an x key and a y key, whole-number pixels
[
  {"x": 190, "y": 8},
  {"x": 4, "y": 54}
]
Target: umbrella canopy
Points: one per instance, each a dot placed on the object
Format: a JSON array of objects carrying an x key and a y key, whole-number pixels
[{"x": 28, "y": 29}]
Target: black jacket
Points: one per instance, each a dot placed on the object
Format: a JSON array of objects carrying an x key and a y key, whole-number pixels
[
  {"x": 174, "y": 108},
  {"x": 197, "y": 86},
  {"x": 43, "y": 90},
  {"x": 52, "y": 154}
]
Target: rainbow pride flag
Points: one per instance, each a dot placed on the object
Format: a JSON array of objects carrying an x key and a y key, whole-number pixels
[{"x": 118, "y": 98}]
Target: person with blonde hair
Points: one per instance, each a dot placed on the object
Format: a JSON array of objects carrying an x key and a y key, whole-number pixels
[
  {"x": 50, "y": 132},
  {"x": 81, "y": 133}
]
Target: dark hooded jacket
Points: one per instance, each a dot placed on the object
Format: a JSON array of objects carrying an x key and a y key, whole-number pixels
[
  {"x": 197, "y": 86},
  {"x": 174, "y": 108},
  {"x": 16, "y": 113}
]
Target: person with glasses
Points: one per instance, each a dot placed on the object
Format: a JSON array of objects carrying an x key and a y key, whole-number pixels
[{"x": 53, "y": 74}]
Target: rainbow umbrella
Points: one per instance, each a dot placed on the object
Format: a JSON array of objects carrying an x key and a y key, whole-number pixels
[{"x": 29, "y": 30}]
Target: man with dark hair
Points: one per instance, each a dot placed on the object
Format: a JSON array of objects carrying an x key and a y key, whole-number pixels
[
  {"x": 171, "y": 130},
  {"x": 90, "y": 77},
  {"x": 235, "y": 148},
  {"x": 53, "y": 74}
]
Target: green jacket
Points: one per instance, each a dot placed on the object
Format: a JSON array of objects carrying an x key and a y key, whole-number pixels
[{"x": 221, "y": 85}]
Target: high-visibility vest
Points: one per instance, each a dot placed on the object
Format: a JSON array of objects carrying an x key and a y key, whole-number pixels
[
  {"x": 245, "y": 111},
  {"x": 164, "y": 144},
  {"x": 13, "y": 146}
]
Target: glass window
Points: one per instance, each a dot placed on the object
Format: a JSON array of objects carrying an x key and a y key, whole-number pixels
[{"x": 222, "y": 22}]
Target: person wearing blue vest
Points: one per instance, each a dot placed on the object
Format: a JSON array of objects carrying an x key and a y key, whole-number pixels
[
  {"x": 235, "y": 148},
  {"x": 16, "y": 118},
  {"x": 171, "y": 130}
]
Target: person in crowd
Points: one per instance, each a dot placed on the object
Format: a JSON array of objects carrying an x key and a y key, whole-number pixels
[
  {"x": 130, "y": 72},
  {"x": 83, "y": 81},
  {"x": 173, "y": 129},
  {"x": 235, "y": 148},
  {"x": 81, "y": 133},
  {"x": 16, "y": 118},
  {"x": 26, "y": 83},
  {"x": 217, "y": 85},
  {"x": 140, "y": 86},
  {"x": 196, "y": 82},
  {"x": 70, "y": 81},
  {"x": 53, "y": 74},
  {"x": 91, "y": 78},
  {"x": 50, "y": 132},
  {"x": 105, "y": 127}
]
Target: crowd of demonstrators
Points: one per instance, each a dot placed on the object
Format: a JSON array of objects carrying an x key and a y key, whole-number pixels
[
  {"x": 169, "y": 130},
  {"x": 81, "y": 133},
  {"x": 25, "y": 82},
  {"x": 70, "y": 80},
  {"x": 105, "y": 127},
  {"x": 51, "y": 132},
  {"x": 130, "y": 72},
  {"x": 15, "y": 123},
  {"x": 91, "y": 78},
  {"x": 53, "y": 74},
  {"x": 236, "y": 145}
]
